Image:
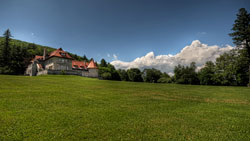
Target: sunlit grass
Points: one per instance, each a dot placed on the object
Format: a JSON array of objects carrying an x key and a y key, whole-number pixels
[{"x": 72, "y": 107}]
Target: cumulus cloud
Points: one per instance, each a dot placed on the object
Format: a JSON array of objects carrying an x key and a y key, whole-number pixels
[{"x": 196, "y": 52}]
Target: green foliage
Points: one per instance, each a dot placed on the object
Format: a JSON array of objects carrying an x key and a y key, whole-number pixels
[
  {"x": 103, "y": 63},
  {"x": 231, "y": 69},
  {"x": 151, "y": 75},
  {"x": 241, "y": 28},
  {"x": 84, "y": 58},
  {"x": 6, "y": 49},
  {"x": 63, "y": 72},
  {"x": 186, "y": 75},
  {"x": 165, "y": 78},
  {"x": 79, "y": 58},
  {"x": 123, "y": 75},
  {"x": 241, "y": 35},
  {"x": 134, "y": 74},
  {"x": 106, "y": 76},
  {"x": 109, "y": 73},
  {"x": 206, "y": 74}
]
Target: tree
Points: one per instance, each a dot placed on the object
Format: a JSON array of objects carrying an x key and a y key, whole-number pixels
[
  {"x": 231, "y": 69},
  {"x": 151, "y": 75},
  {"x": 186, "y": 75},
  {"x": 134, "y": 74},
  {"x": 123, "y": 75},
  {"x": 103, "y": 63},
  {"x": 206, "y": 74},
  {"x": 85, "y": 58},
  {"x": 109, "y": 73},
  {"x": 241, "y": 35},
  {"x": 165, "y": 78},
  {"x": 6, "y": 49}
]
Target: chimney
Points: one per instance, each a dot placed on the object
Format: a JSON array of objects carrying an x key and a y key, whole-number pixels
[{"x": 44, "y": 54}]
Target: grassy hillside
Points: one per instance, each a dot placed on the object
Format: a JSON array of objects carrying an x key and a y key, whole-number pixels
[{"x": 72, "y": 107}]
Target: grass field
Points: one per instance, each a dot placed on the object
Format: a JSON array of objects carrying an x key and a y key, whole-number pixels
[{"x": 77, "y": 108}]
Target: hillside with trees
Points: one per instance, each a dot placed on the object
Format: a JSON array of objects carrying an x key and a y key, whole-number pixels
[{"x": 15, "y": 55}]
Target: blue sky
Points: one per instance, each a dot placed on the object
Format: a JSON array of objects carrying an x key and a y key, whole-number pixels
[{"x": 126, "y": 28}]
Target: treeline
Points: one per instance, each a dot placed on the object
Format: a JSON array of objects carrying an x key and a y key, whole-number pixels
[{"x": 15, "y": 55}]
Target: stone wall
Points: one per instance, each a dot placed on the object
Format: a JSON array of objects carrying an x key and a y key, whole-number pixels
[
  {"x": 60, "y": 72},
  {"x": 43, "y": 72},
  {"x": 32, "y": 69},
  {"x": 91, "y": 73}
]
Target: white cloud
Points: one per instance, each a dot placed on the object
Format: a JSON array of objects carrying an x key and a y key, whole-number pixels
[
  {"x": 196, "y": 52},
  {"x": 108, "y": 55}
]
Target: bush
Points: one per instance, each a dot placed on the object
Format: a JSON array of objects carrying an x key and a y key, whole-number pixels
[
  {"x": 151, "y": 75},
  {"x": 106, "y": 76},
  {"x": 63, "y": 72},
  {"x": 164, "y": 80},
  {"x": 134, "y": 74}
]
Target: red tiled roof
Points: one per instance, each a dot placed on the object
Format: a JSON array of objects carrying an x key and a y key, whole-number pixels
[
  {"x": 60, "y": 53},
  {"x": 38, "y": 57},
  {"x": 92, "y": 65},
  {"x": 79, "y": 64}
]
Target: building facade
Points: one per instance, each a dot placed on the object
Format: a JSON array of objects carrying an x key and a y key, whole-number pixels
[{"x": 60, "y": 62}]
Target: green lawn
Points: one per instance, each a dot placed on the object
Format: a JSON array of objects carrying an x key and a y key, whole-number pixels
[{"x": 77, "y": 108}]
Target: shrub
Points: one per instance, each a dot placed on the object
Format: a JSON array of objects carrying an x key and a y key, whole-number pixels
[{"x": 106, "y": 76}]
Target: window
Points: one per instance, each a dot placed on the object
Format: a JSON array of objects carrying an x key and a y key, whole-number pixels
[
  {"x": 76, "y": 66},
  {"x": 63, "y": 54}
]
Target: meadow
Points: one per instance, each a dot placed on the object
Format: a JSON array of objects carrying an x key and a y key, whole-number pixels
[{"x": 78, "y": 108}]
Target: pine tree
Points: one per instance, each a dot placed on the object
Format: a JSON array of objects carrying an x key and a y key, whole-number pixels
[
  {"x": 6, "y": 48},
  {"x": 241, "y": 34},
  {"x": 103, "y": 63},
  {"x": 85, "y": 58}
]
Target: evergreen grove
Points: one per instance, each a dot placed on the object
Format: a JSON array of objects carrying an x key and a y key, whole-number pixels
[{"x": 229, "y": 69}]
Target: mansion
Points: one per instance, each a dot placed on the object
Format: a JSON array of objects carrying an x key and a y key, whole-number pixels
[{"x": 60, "y": 62}]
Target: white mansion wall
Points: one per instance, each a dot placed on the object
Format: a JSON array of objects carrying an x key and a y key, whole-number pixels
[
  {"x": 92, "y": 72},
  {"x": 57, "y": 63}
]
